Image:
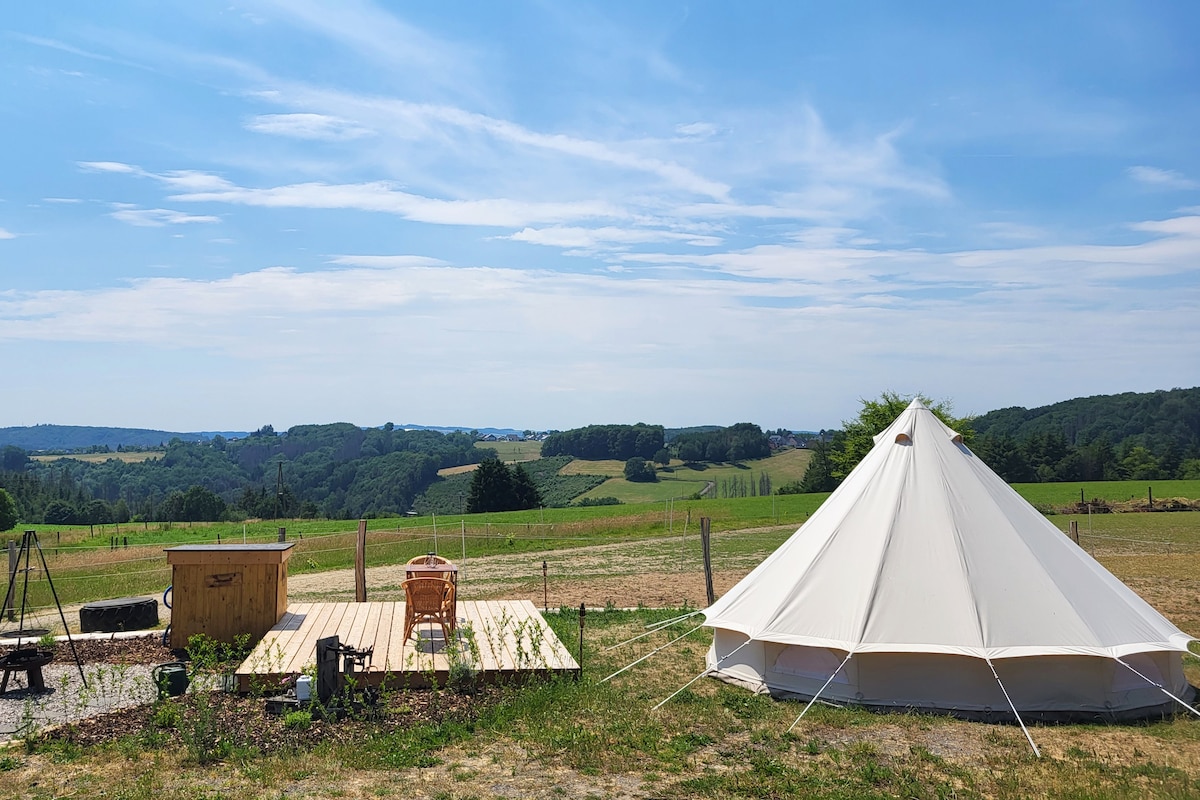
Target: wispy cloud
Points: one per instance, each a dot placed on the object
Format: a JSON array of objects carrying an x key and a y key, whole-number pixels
[
  {"x": 1161, "y": 178},
  {"x": 307, "y": 126},
  {"x": 7, "y": 234},
  {"x": 591, "y": 238},
  {"x": 159, "y": 217},
  {"x": 384, "y": 196}
]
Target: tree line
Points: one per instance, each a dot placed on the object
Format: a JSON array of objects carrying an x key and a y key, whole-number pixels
[
  {"x": 337, "y": 471},
  {"x": 1152, "y": 436}
]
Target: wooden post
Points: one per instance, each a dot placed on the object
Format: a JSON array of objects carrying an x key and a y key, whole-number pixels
[
  {"x": 1074, "y": 530},
  {"x": 360, "y": 563},
  {"x": 283, "y": 534},
  {"x": 1150, "y": 494},
  {"x": 705, "y": 535}
]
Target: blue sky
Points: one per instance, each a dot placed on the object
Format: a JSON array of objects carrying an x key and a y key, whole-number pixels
[{"x": 547, "y": 215}]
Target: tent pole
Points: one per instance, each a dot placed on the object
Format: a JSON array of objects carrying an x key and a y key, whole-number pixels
[
  {"x": 1159, "y": 686},
  {"x": 652, "y": 652},
  {"x": 655, "y": 628},
  {"x": 702, "y": 674},
  {"x": 824, "y": 686},
  {"x": 1020, "y": 722}
]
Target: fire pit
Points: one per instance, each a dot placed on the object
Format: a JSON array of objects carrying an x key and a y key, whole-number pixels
[{"x": 27, "y": 660}]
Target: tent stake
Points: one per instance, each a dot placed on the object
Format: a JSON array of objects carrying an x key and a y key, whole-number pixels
[
  {"x": 1160, "y": 687},
  {"x": 702, "y": 674},
  {"x": 824, "y": 686},
  {"x": 1036, "y": 752}
]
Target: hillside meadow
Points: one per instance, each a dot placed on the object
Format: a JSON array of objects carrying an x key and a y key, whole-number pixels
[{"x": 589, "y": 738}]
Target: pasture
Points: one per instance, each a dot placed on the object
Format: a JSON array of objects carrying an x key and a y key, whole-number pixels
[
  {"x": 562, "y": 738},
  {"x": 128, "y": 456},
  {"x": 512, "y": 452}
]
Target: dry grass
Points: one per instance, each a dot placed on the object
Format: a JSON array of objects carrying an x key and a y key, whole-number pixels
[{"x": 99, "y": 458}]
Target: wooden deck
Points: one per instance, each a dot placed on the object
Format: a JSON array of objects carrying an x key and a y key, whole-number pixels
[{"x": 510, "y": 640}]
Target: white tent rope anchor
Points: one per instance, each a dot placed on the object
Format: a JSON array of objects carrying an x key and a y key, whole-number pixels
[
  {"x": 1160, "y": 687},
  {"x": 652, "y": 652},
  {"x": 702, "y": 674},
  {"x": 824, "y": 686},
  {"x": 992, "y": 666}
]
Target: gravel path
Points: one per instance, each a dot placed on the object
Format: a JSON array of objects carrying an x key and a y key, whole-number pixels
[{"x": 118, "y": 673}]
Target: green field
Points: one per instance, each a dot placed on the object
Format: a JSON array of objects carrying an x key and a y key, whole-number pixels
[
  {"x": 510, "y": 452},
  {"x": 680, "y": 480},
  {"x": 1057, "y": 495}
]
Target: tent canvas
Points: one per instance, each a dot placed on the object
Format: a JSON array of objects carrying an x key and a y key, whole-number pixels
[{"x": 925, "y": 581}]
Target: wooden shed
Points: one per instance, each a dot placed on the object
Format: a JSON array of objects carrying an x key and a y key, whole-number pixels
[{"x": 227, "y": 589}]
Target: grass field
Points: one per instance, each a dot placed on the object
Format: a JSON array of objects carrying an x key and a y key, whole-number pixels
[
  {"x": 1045, "y": 495},
  {"x": 681, "y": 480},
  {"x": 511, "y": 452},
  {"x": 585, "y": 738},
  {"x": 99, "y": 458}
]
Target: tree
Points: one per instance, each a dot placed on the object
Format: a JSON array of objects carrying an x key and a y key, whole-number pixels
[
  {"x": 525, "y": 491},
  {"x": 858, "y": 435},
  {"x": 8, "y": 511},
  {"x": 60, "y": 512},
  {"x": 201, "y": 504},
  {"x": 818, "y": 477},
  {"x": 14, "y": 459},
  {"x": 491, "y": 486},
  {"x": 662, "y": 456},
  {"x": 639, "y": 470}
]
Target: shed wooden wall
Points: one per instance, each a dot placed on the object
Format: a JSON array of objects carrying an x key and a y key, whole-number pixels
[{"x": 226, "y": 593}]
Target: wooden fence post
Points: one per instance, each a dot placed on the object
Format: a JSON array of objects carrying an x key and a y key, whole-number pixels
[
  {"x": 705, "y": 535},
  {"x": 360, "y": 563}
]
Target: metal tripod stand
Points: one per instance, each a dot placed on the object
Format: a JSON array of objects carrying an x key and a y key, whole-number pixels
[{"x": 29, "y": 542}]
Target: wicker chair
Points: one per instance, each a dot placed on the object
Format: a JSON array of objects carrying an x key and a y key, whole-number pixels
[{"x": 429, "y": 600}]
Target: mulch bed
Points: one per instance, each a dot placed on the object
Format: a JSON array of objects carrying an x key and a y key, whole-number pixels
[
  {"x": 241, "y": 721},
  {"x": 139, "y": 650}
]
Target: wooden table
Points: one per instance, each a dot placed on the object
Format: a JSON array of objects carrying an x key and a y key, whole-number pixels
[{"x": 447, "y": 572}]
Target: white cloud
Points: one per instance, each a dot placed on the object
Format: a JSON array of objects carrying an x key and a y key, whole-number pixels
[
  {"x": 697, "y": 130},
  {"x": 1013, "y": 231},
  {"x": 111, "y": 166},
  {"x": 387, "y": 262},
  {"x": 7, "y": 234},
  {"x": 385, "y": 197},
  {"x": 158, "y": 217},
  {"x": 62, "y": 200},
  {"x": 307, "y": 126},
  {"x": 591, "y": 238},
  {"x": 1161, "y": 178}
]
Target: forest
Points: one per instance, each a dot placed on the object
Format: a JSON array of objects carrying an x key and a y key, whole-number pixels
[{"x": 342, "y": 471}]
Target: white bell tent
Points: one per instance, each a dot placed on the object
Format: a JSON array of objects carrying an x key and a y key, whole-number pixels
[{"x": 926, "y": 582}]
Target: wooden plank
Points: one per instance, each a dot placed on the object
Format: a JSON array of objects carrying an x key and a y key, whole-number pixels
[
  {"x": 269, "y": 654},
  {"x": 547, "y": 655},
  {"x": 474, "y": 616},
  {"x": 354, "y": 623},
  {"x": 383, "y": 635},
  {"x": 503, "y": 625},
  {"x": 303, "y": 649}
]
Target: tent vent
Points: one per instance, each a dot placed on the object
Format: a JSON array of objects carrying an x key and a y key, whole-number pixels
[
  {"x": 903, "y": 438},
  {"x": 957, "y": 438}
]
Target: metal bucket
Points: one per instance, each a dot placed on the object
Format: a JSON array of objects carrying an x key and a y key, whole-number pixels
[{"x": 171, "y": 679}]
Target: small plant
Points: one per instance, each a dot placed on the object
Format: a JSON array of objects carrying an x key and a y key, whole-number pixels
[
  {"x": 298, "y": 720},
  {"x": 47, "y": 641},
  {"x": 167, "y": 715}
]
